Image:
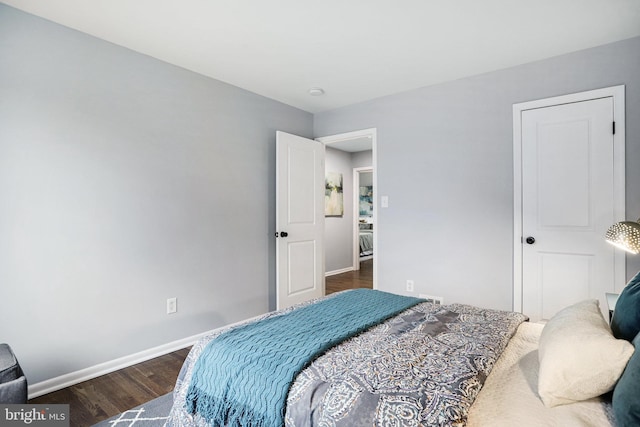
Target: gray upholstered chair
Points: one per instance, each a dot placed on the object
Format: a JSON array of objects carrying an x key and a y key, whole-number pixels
[{"x": 13, "y": 383}]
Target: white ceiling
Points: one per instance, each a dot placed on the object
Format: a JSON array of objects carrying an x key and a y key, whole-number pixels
[
  {"x": 354, "y": 145},
  {"x": 355, "y": 50}
]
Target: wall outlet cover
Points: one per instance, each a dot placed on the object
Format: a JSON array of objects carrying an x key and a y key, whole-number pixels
[
  {"x": 410, "y": 286},
  {"x": 172, "y": 305}
]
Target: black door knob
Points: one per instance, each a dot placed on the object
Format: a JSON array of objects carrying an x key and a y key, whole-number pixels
[
  {"x": 530, "y": 240},
  {"x": 282, "y": 234}
]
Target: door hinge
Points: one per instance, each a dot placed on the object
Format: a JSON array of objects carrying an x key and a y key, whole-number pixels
[{"x": 613, "y": 127}]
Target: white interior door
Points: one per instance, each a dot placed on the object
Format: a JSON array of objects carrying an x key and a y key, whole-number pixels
[
  {"x": 568, "y": 180},
  {"x": 299, "y": 219}
]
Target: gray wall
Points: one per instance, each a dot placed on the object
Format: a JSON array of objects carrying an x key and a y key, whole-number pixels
[
  {"x": 125, "y": 181},
  {"x": 445, "y": 155},
  {"x": 362, "y": 159},
  {"x": 366, "y": 179},
  {"x": 338, "y": 230}
]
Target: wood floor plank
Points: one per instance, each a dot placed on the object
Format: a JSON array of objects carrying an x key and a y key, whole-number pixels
[
  {"x": 100, "y": 398},
  {"x": 362, "y": 278}
]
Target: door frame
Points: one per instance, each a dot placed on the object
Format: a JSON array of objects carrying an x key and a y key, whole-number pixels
[
  {"x": 617, "y": 93},
  {"x": 373, "y": 134},
  {"x": 356, "y": 215}
]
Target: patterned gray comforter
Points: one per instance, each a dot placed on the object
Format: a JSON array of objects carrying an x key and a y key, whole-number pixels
[{"x": 423, "y": 367}]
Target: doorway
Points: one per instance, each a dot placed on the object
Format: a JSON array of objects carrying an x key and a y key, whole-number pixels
[
  {"x": 346, "y": 155},
  {"x": 569, "y": 188},
  {"x": 363, "y": 219}
]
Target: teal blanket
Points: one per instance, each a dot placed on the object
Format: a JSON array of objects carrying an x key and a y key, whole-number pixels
[{"x": 243, "y": 376}]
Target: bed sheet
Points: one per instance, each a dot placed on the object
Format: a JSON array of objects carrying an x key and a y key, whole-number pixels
[{"x": 510, "y": 398}]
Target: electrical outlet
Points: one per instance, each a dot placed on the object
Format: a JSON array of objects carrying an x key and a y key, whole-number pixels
[
  {"x": 172, "y": 305},
  {"x": 410, "y": 286}
]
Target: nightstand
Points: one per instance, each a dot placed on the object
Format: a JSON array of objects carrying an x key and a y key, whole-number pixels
[{"x": 611, "y": 303}]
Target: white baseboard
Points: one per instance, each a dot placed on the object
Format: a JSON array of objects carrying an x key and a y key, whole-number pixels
[
  {"x": 67, "y": 380},
  {"x": 334, "y": 272}
]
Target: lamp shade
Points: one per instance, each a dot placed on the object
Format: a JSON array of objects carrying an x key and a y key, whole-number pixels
[{"x": 625, "y": 235}]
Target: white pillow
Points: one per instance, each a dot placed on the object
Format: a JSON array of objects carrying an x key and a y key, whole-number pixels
[{"x": 579, "y": 357}]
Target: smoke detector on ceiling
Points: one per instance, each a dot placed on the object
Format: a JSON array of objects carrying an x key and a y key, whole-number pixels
[{"x": 316, "y": 91}]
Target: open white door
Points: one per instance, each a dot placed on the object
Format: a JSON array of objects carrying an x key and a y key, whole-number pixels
[{"x": 299, "y": 219}]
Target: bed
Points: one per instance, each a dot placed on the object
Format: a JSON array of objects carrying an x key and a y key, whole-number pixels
[
  {"x": 366, "y": 242},
  {"x": 451, "y": 365}
]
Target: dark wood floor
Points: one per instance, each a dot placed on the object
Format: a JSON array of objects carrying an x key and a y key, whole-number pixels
[
  {"x": 362, "y": 278},
  {"x": 100, "y": 398}
]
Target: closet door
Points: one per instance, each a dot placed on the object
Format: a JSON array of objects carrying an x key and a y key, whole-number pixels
[{"x": 568, "y": 178}]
